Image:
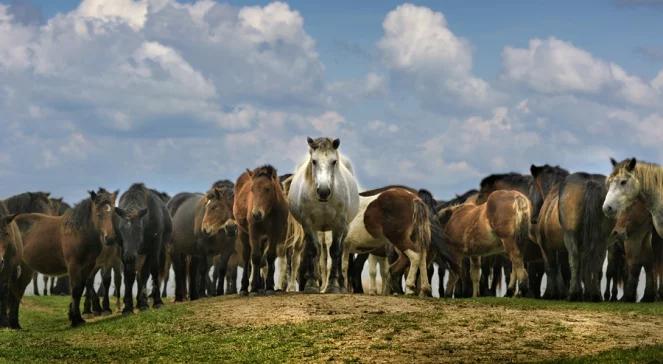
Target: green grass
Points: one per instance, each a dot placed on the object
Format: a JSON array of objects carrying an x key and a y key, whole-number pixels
[{"x": 171, "y": 334}]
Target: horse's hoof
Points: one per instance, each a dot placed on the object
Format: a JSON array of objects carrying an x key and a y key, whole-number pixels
[
  {"x": 243, "y": 293},
  {"x": 157, "y": 305},
  {"x": 574, "y": 297},
  {"x": 269, "y": 292},
  {"x": 143, "y": 308},
  {"x": 127, "y": 312},
  {"x": 15, "y": 326},
  {"x": 332, "y": 288},
  {"x": 77, "y": 322}
]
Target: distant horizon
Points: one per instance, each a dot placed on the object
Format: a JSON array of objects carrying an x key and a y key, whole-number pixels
[{"x": 435, "y": 95}]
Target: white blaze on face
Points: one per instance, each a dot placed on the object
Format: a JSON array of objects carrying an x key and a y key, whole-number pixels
[{"x": 324, "y": 168}]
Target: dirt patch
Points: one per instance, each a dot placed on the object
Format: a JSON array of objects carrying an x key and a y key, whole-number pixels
[
  {"x": 299, "y": 308},
  {"x": 395, "y": 329}
]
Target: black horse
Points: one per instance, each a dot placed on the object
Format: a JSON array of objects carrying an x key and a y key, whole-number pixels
[{"x": 143, "y": 227}]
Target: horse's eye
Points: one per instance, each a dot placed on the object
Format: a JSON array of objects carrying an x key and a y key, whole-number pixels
[
  {"x": 623, "y": 182},
  {"x": 315, "y": 162},
  {"x": 334, "y": 163}
]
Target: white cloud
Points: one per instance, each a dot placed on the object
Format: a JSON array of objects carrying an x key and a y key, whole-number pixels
[
  {"x": 554, "y": 66},
  {"x": 419, "y": 46},
  {"x": 132, "y": 12}
]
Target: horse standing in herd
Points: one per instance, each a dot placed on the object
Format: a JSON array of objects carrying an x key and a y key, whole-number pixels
[
  {"x": 144, "y": 227},
  {"x": 317, "y": 224},
  {"x": 324, "y": 196}
]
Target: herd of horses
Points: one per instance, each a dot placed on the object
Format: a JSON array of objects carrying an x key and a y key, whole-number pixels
[{"x": 315, "y": 231}]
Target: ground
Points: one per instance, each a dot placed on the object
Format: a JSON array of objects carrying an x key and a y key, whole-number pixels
[{"x": 343, "y": 328}]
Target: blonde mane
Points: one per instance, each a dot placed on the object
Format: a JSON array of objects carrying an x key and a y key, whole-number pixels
[{"x": 649, "y": 175}]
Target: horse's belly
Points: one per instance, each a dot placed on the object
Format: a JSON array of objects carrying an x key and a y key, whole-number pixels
[{"x": 360, "y": 240}]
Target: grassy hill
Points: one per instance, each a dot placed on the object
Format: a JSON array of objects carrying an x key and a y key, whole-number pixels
[{"x": 346, "y": 328}]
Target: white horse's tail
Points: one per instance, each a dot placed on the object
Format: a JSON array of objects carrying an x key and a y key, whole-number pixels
[{"x": 294, "y": 234}]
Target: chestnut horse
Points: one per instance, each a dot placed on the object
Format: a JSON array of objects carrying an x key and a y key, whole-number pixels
[
  {"x": 203, "y": 227},
  {"x": 500, "y": 225},
  {"x": 261, "y": 211},
  {"x": 324, "y": 196},
  {"x": 11, "y": 251},
  {"x": 68, "y": 244}
]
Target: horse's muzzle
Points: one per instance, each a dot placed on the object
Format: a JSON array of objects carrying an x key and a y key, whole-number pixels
[
  {"x": 609, "y": 211},
  {"x": 257, "y": 216},
  {"x": 323, "y": 194}
]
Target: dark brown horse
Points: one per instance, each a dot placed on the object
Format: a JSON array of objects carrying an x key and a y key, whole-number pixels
[
  {"x": 499, "y": 225},
  {"x": 31, "y": 202},
  {"x": 261, "y": 211},
  {"x": 144, "y": 227},
  {"x": 203, "y": 226},
  {"x": 547, "y": 230},
  {"x": 68, "y": 244},
  {"x": 11, "y": 251},
  {"x": 531, "y": 252}
]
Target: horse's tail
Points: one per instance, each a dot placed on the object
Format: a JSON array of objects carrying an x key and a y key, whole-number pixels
[
  {"x": 593, "y": 218},
  {"x": 421, "y": 234},
  {"x": 523, "y": 221},
  {"x": 294, "y": 233}
]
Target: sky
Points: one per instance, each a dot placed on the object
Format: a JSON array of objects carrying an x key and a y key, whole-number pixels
[{"x": 431, "y": 94}]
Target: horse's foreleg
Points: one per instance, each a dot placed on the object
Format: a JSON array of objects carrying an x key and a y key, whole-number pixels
[
  {"x": 255, "y": 264},
  {"x": 475, "y": 274},
  {"x": 372, "y": 274},
  {"x": 129, "y": 279},
  {"x": 336, "y": 279},
  {"x": 246, "y": 259},
  {"x": 310, "y": 254},
  {"x": 105, "y": 285},
  {"x": 4, "y": 297},
  {"x": 78, "y": 277}
]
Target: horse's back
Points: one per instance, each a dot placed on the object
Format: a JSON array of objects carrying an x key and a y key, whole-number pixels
[
  {"x": 42, "y": 247},
  {"x": 184, "y": 225}
]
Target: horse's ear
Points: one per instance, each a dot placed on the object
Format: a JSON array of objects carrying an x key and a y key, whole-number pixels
[
  {"x": 336, "y": 143},
  {"x": 444, "y": 215},
  {"x": 93, "y": 195},
  {"x": 534, "y": 170},
  {"x": 311, "y": 143},
  {"x": 249, "y": 172},
  {"x": 116, "y": 193},
  {"x": 613, "y": 162},
  {"x": 142, "y": 213},
  {"x": 120, "y": 212},
  {"x": 631, "y": 165},
  {"x": 6, "y": 220},
  {"x": 217, "y": 193}
]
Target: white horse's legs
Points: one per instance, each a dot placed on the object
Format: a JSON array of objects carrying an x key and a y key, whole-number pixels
[
  {"x": 345, "y": 267},
  {"x": 309, "y": 259},
  {"x": 325, "y": 260},
  {"x": 283, "y": 271},
  {"x": 411, "y": 280},
  {"x": 372, "y": 273},
  {"x": 294, "y": 268}
]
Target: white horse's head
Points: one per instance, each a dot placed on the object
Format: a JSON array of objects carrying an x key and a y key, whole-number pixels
[
  {"x": 323, "y": 163},
  {"x": 623, "y": 187}
]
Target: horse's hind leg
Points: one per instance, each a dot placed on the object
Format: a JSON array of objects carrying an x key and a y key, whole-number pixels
[
  {"x": 575, "y": 289},
  {"x": 35, "y": 284},
  {"x": 424, "y": 287},
  {"x": 475, "y": 275},
  {"x": 46, "y": 278},
  {"x": 411, "y": 280},
  {"x": 519, "y": 273}
]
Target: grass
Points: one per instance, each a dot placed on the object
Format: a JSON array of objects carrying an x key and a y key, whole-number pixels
[{"x": 175, "y": 334}]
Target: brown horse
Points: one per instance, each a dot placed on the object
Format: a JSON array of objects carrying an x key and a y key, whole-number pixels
[
  {"x": 531, "y": 254},
  {"x": 500, "y": 225},
  {"x": 68, "y": 244},
  {"x": 635, "y": 229},
  {"x": 262, "y": 212},
  {"x": 395, "y": 216},
  {"x": 203, "y": 226},
  {"x": 11, "y": 251}
]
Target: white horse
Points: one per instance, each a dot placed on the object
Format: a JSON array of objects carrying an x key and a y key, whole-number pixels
[
  {"x": 324, "y": 196},
  {"x": 631, "y": 179}
]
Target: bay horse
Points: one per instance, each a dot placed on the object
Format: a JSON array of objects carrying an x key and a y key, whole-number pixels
[
  {"x": 261, "y": 211},
  {"x": 531, "y": 253},
  {"x": 31, "y": 202},
  {"x": 203, "y": 226},
  {"x": 11, "y": 252},
  {"x": 144, "y": 227},
  {"x": 324, "y": 196},
  {"x": 636, "y": 237},
  {"x": 500, "y": 225},
  {"x": 67, "y": 244}
]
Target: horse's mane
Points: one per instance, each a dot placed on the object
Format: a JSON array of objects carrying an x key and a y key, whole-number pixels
[
  {"x": 557, "y": 171},
  {"x": 223, "y": 183},
  {"x": 459, "y": 199},
  {"x": 135, "y": 197},
  {"x": 650, "y": 176},
  {"x": 511, "y": 178},
  {"x": 79, "y": 217},
  {"x": 24, "y": 202},
  {"x": 163, "y": 196},
  {"x": 265, "y": 171}
]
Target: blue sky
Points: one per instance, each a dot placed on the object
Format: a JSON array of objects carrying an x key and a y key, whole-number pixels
[{"x": 431, "y": 94}]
